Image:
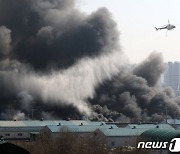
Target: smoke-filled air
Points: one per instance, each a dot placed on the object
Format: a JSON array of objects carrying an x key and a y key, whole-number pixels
[{"x": 57, "y": 62}]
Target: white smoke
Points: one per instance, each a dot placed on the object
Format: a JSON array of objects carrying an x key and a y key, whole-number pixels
[
  {"x": 71, "y": 86},
  {"x": 26, "y": 100},
  {"x": 19, "y": 116},
  {"x": 5, "y": 40}
]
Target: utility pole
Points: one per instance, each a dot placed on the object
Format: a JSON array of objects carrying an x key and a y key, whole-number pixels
[
  {"x": 33, "y": 113},
  {"x": 175, "y": 118},
  {"x": 166, "y": 114}
]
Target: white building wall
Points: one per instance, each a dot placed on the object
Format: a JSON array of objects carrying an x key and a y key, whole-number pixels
[
  {"x": 7, "y": 135},
  {"x": 15, "y": 135},
  {"x": 21, "y": 135},
  {"x": 117, "y": 141}
]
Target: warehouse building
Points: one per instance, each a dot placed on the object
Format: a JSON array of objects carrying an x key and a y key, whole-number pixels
[
  {"x": 22, "y": 129},
  {"x": 113, "y": 135},
  {"x": 16, "y": 130},
  {"x": 128, "y": 135},
  {"x": 160, "y": 135},
  {"x": 119, "y": 137},
  {"x": 81, "y": 129},
  {"x": 149, "y": 126}
]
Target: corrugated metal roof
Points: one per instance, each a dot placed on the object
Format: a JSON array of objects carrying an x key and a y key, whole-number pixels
[
  {"x": 20, "y": 129},
  {"x": 29, "y": 123},
  {"x": 149, "y": 126},
  {"x": 33, "y": 123},
  {"x": 84, "y": 122},
  {"x": 123, "y": 132},
  {"x": 77, "y": 128},
  {"x": 161, "y": 135},
  {"x": 173, "y": 121},
  {"x": 37, "y": 123}
]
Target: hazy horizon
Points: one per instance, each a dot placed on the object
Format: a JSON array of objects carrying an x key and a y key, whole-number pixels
[{"x": 136, "y": 22}]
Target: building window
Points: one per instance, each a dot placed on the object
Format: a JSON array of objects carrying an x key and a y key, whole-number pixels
[
  {"x": 7, "y": 134},
  {"x": 19, "y": 134},
  {"x": 112, "y": 143}
]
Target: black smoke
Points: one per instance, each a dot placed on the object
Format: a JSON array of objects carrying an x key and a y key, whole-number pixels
[
  {"x": 40, "y": 37},
  {"x": 58, "y": 62},
  {"x": 136, "y": 93},
  {"x": 47, "y": 33}
]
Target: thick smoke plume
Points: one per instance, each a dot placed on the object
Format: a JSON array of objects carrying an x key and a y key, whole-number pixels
[
  {"x": 53, "y": 32},
  {"x": 136, "y": 92},
  {"x": 5, "y": 40},
  {"x": 65, "y": 87},
  {"x": 54, "y": 56},
  {"x": 57, "y": 62}
]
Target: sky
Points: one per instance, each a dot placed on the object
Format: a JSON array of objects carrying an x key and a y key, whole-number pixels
[{"x": 136, "y": 20}]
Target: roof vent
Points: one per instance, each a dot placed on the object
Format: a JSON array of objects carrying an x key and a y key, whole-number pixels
[
  {"x": 1, "y": 138},
  {"x": 134, "y": 127},
  {"x": 59, "y": 124},
  {"x": 102, "y": 124},
  {"x": 81, "y": 124},
  {"x": 111, "y": 127},
  {"x": 157, "y": 126}
]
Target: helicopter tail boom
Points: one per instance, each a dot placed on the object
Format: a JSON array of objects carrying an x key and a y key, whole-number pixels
[{"x": 157, "y": 28}]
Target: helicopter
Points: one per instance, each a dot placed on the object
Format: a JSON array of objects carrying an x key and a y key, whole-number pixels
[{"x": 168, "y": 27}]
